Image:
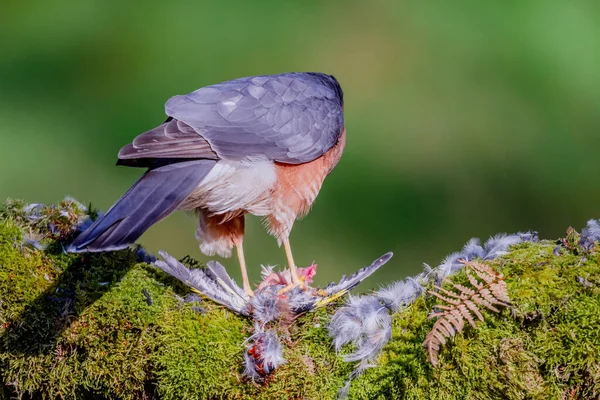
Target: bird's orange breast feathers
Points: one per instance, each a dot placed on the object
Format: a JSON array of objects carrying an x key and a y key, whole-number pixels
[{"x": 297, "y": 187}]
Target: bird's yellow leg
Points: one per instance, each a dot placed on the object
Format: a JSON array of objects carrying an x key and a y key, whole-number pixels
[
  {"x": 240, "y": 253},
  {"x": 296, "y": 281}
]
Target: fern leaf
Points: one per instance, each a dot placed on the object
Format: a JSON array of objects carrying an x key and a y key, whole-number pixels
[
  {"x": 482, "y": 301},
  {"x": 500, "y": 291},
  {"x": 474, "y": 309},
  {"x": 466, "y": 314},
  {"x": 485, "y": 272},
  {"x": 456, "y": 319},
  {"x": 448, "y": 292},
  {"x": 463, "y": 303},
  {"x": 445, "y": 298},
  {"x": 473, "y": 281},
  {"x": 465, "y": 291},
  {"x": 442, "y": 307},
  {"x": 447, "y": 327}
]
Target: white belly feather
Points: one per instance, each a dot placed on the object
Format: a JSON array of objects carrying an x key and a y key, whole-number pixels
[{"x": 234, "y": 185}]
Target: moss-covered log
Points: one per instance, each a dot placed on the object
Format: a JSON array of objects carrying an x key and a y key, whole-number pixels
[{"x": 109, "y": 326}]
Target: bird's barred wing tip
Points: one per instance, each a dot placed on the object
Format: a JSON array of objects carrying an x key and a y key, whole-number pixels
[
  {"x": 348, "y": 283},
  {"x": 207, "y": 282},
  {"x": 218, "y": 272}
]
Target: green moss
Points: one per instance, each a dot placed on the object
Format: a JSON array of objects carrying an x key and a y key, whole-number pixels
[{"x": 80, "y": 326}]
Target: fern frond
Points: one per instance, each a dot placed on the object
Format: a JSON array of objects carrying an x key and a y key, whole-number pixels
[
  {"x": 463, "y": 304},
  {"x": 474, "y": 282},
  {"x": 484, "y": 271}
]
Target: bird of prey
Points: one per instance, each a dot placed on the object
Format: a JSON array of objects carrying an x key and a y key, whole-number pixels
[{"x": 261, "y": 145}]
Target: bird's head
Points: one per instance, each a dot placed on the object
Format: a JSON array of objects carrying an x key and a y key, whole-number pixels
[{"x": 329, "y": 80}]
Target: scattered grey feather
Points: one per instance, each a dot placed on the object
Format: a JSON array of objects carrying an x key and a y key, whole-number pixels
[
  {"x": 592, "y": 230},
  {"x": 473, "y": 250},
  {"x": 344, "y": 391},
  {"x": 250, "y": 368},
  {"x": 590, "y": 235},
  {"x": 147, "y": 296},
  {"x": 586, "y": 244},
  {"x": 449, "y": 266},
  {"x": 179, "y": 298},
  {"x": 365, "y": 323},
  {"x": 143, "y": 256},
  {"x": 263, "y": 355},
  {"x": 427, "y": 269},
  {"x": 198, "y": 310},
  {"x": 52, "y": 228},
  {"x": 29, "y": 208},
  {"x": 272, "y": 352},
  {"x": 498, "y": 245},
  {"x": 584, "y": 282},
  {"x": 33, "y": 211},
  {"x": 192, "y": 298},
  {"x": 531, "y": 236},
  {"x": 401, "y": 293},
  {"x": 33, "y": 244},
  {"x": 346, "y": 326}
]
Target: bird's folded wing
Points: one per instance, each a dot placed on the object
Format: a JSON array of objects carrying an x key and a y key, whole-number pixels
[{"x": 172, "y": 139}]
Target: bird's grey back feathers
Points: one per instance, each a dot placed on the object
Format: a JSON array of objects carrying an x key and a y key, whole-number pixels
[{"x": 291, "y": 118}]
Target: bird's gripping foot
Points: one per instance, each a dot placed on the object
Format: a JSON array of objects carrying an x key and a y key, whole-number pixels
[
  {"x": 292, "y": 285},
  {"x": 295, "y": 279}
]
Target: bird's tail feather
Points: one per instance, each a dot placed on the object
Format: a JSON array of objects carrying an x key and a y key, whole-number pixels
[{"x": 155, "y": 195}]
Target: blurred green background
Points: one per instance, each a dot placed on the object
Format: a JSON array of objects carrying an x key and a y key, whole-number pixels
[{"x": 464, "y": 118}]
